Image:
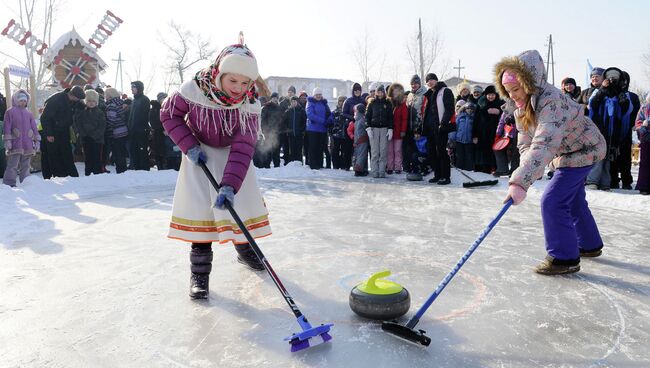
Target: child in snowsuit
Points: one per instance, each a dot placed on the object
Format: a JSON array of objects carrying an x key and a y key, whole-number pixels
[
  {"x": 418, "y": 167},
  {"x": 214, "y": 118},
  {"x": 461, "y": 139},
  {"x": 90, "y": 122},
  {"x": 361, "y": 141},
  {"x": 552, "y": 129},
  {"x": 20, "y": 137}
]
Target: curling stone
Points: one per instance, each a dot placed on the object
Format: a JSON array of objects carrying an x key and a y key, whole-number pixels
[{"x": 379, "y": 299}]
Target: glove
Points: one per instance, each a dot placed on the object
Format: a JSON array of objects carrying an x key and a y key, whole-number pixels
[
  {"x": 389, "y": 135},
  {"x": 226, "y": 193},
  {"x": 195, "y": 154},
  {"x": 517, "y": 193},
  {"x": 8, "y": 145},
  {"x": 369, "y": 131}
]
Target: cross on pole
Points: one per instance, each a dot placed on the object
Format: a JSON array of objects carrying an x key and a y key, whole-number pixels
[
  {"x": 459, "y": 68},
  {"x": 118, "y": 72}
]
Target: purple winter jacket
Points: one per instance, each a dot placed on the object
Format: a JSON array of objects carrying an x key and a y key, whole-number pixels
[
  {"x": 20, "y": 133},
  {"x": 181, "y": 119}
]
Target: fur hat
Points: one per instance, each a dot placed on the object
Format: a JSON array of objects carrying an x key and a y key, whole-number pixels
[
  {"x": 431, "y": 76},
  {"x": 317, "y": 91},
  {"x": 92, "y": 95},
  {"x": 568, "y": 80},
  {"x": 462, "y": 86},
  {"x": 490, "y": 89},
  {"x": 111, "y": 93},
  {"x": 78, "y": 92}
]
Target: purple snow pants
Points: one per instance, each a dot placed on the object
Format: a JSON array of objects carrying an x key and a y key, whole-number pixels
[{"x": 568, "y": 223}]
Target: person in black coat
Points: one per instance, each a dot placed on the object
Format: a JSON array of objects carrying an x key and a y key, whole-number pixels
[
  {"x": 596, "y": 82},
  {"x": 485, "y": 129},
  {"x": 295, "y": 119},
  {"x": 271, "y": 117},
  {"x": 56, "y": 120},
  {"x": 158, "y": 133},
  {"x": 139, "y": 128},
  {"x": 341, "y": 150},
  {"x": 438, "y": 110}
]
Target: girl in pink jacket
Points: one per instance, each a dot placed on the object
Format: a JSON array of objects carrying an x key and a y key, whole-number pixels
[
  {"x": 552, "y": 130},
  {"x": 21, "y": 139}
]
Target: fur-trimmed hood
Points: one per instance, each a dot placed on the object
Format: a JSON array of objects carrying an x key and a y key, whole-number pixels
[{"x": 530, "y": 71}]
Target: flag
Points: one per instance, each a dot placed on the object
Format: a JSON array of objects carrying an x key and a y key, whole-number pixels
[{"x": 588, "y": 77}]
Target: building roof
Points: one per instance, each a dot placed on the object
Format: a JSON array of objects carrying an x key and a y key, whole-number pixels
[{"x": 64, "y": 40}]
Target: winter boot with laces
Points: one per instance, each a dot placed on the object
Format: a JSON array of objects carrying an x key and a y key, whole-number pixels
[
  {"x": 201, "y": 265},
  {"x": 247, "y": 257},
  {"x": 553, "y": 266}
]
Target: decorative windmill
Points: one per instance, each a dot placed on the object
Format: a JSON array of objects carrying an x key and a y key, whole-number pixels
[{"x": 72, "y": 60}]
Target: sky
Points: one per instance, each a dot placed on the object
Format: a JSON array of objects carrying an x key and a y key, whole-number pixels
[{"x": 316, "y": 39}]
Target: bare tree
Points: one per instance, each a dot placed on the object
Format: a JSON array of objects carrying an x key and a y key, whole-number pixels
[
  {"x": 185, "y": 49},
  {"x": 366, "y": 57},
  {"x": 646, "y": 61},
  {"x": 432, "y": 53},
  {"x": 137, "y": 74},
  {"x": 37, "y": 17}
]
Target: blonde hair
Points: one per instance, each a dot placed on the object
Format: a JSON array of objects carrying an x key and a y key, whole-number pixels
[{"x": 527, "y": 117}]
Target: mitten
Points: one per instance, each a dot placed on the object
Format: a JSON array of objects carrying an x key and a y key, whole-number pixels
[
  {"x": 195, "y": 154},
  {"x": 226, "y": 193}
]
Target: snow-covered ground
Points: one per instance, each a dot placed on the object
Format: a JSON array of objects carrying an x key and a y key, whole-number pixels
[{"x": 88, "y": 278}]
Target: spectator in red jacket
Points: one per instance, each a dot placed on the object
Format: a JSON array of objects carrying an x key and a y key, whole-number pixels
[{"x": 400, "y": 121}]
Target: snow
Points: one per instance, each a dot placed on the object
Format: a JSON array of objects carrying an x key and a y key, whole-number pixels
[{"x": 89, "y": 279}]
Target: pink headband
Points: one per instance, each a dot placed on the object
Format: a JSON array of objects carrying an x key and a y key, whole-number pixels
[{"x": 509, "y": 78}]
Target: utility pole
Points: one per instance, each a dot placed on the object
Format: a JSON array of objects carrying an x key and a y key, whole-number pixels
[
  {"x": 118, "y": 72},
  {"x": 550, "y": 59},
  {"x": 459, "y": 68},
  {"x": 421, "y": 51}
]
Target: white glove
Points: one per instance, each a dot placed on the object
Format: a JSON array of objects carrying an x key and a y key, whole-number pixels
[
  {"x": 369, "y": 131},
  {"x": 389, "y": 134}
]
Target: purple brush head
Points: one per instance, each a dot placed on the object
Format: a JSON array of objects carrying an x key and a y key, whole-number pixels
[
  {"x": 310, "y": 336},
  {"x": 297, "y": 345}
]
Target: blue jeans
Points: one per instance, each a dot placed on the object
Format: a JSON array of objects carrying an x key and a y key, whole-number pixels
[{"x": 600, "y": 175}]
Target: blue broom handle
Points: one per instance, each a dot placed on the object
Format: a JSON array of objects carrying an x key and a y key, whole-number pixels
[{"x": 416, "y": 318}]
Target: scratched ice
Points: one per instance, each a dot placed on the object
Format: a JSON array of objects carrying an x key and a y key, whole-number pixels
[{"x": 88, "y": 278}]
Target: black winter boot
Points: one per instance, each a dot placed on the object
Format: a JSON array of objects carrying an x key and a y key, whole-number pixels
[
  {"x": 247, "y": 257},
  {"x": 201, "y": 260}
]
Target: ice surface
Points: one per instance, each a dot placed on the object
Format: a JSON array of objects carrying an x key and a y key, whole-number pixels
[{"x": 88, "y": 278}]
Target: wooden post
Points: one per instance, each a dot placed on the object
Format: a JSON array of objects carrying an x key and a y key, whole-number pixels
[
  {"x": 32, "y": 93},
  {"x": 7, "y": 87}
]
